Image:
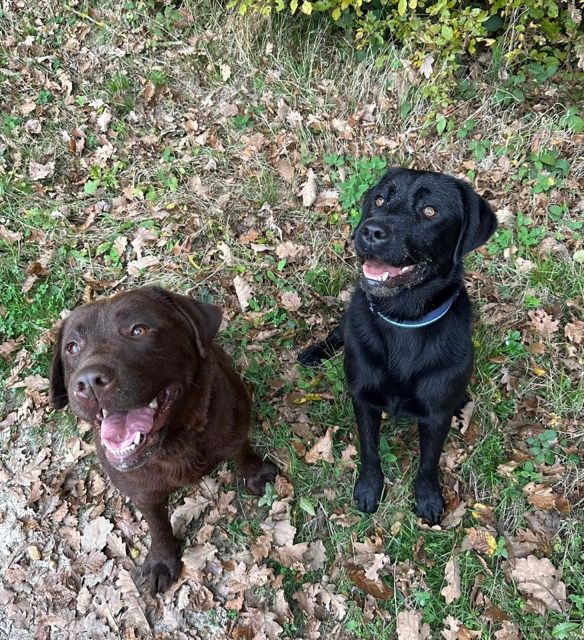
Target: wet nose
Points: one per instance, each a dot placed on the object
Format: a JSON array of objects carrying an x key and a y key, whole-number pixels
[
  {"x": 374, "y": 232},
  {"x": 93, "y": 380}
]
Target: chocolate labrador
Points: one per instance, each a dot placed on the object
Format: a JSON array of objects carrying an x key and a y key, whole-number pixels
[
  {"x": 407, "y": 331},
  {"x": 164, "y": 401}
]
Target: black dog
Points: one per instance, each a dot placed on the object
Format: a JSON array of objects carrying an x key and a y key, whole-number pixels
[{"x": 407, "y": 331}]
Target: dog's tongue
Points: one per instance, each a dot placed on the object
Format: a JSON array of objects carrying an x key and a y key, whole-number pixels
[
  {"x": 376, "y": 268},
  {"x": 119, "y": 429}
]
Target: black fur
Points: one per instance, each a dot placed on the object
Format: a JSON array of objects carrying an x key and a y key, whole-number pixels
[{"x": 423, "y": 372}]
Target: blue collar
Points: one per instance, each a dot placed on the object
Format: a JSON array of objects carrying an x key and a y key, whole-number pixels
[{"x": 424, "y": 321}]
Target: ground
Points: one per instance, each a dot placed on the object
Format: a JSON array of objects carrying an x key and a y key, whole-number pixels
[{"x": 226, "y": 157}]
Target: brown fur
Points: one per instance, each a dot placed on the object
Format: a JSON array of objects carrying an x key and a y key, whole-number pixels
[{"x": 208, "y": 422}]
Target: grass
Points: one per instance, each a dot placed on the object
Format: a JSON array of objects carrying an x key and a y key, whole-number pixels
[{"x": 192, "y": 195}]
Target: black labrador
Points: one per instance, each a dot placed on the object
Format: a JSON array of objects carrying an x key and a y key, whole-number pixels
[{"x": 407, "y": 331}]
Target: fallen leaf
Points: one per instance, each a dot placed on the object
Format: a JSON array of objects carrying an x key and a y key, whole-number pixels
[
  {"x": 285, "y": 170},
  {"x": 376, "y": 588},
  {"x": 322, "y": 449},
  {"x": 574, "y": 331},
  {"x": 243, "y": 291},
  {"x": 290, "y": 300},
  {"x": 426, "y": 66},
  {"x": 451, "y": 591},
  {"x": 196, "y": 558},
  {"x": 38, "y": 171},
  {"x": 543, "y": 323},
  {"x": 225, "y": 72},
  {"x": 508, "y": 631},
  {"x": 95, "y": 533},
  {"x": 103, "y": 120},
  {"x": 291, "y": 251},
  {"x": 455, "y": 630},
  {"x": 411, "y": 627},
  {"x": 480, "y": 540},
  {"x": 308, "y": 191},
  {"x": 539, "y": 579}
]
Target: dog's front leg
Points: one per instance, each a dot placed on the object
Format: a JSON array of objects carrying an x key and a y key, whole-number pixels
[
  {"x": 429, "y": 503},
  {"x": 163, "y": 564},
  {"x": 369, "y": 485}
]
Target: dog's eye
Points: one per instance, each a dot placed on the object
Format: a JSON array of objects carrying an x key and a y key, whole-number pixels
[
  {"x": 139, "y": 330},
  {"x": 429, "y": 212},
  {"x": 379, "y": 201},
  {"x": 73, "y": 348}
]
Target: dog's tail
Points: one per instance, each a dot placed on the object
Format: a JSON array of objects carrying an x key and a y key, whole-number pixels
[{"x": 316, "y": 353}]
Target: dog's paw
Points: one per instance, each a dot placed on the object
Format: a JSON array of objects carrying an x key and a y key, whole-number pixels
[
  {"x": 430, "y": 506},
  {"x": 312, "y": 356},
  {"x": 367, "y": 492},
  {"x": 256, "y": 483},
  {"x": 161, "y": 570}
]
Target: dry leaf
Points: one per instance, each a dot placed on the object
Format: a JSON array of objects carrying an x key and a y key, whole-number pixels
[
  {"x": 290, "y": 300},
  {"x": 508, "y": 631},
  {"x": 376, "y": 588},
  {"x": 291, "y": 251},
  {"x": 540, "y": 496},
  {"x": 285, "y": 170},
  {"x": 574, "y": 331},
  {"x": 38, "y": 171},
  {"x": 539, "y": 579},
  {"x": 322, "y": 449},
  {"x": 480, "y": 540},
  {"x": 455, "y": 630},
  {"x": 451, "y": 591},
  {"x": 543, "y": 323},
  {"x": 225, "y": 72},
  {"x": 95, "y": 533},
  {"x": 243, "y": 291},
  {"x": 308, "y": 191},
  {"x": 196, "y": 558},
  {"x": 136, "y": 266},
  {"x": 411, "y": 627},
  {"x": 103, "y": 120}
]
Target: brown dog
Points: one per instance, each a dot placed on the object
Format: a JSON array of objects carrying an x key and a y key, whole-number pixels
[{"x": 164, "y": 400}]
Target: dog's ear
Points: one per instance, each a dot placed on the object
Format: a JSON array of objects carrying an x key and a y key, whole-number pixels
[
  {"x": 204, "y": 319},
  {"x": 58, "y": 391},
  {"x": 478, "y": 225}
]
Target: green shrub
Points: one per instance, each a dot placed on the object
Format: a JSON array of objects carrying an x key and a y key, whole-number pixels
[{"x": 439, "y": 33}]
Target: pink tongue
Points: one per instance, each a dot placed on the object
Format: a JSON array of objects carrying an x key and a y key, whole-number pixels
[
  {"x": 376, "y": 268},
  {"x": 119, "y": 429}
]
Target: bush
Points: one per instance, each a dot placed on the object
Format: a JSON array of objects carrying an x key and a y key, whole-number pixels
[{"x": 440, "y": 33}]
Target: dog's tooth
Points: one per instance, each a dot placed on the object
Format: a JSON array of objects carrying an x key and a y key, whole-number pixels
[
  {"x": 105, "y": 413},
  {"x": 137, "y": 438},
  {"x": 385, "y": 276},
  {"x": 154, "y": 404}
]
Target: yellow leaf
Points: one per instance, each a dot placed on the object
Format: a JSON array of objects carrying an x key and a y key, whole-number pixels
[
  {"x": 402, "y": 6},
  {"x": 306, "y": 8},
  {"x": 539, "y": 371},
  {"x": 492, "y": 544},
  {"x": 309, "y": 397},
  {"x": 336, "y": 13}
]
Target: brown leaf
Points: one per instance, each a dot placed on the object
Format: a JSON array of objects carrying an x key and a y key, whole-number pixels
[
  {"x": 243, "y": 291},
  {"x": 508, "y": 631},
  {"x": 480, "y": 540},
  {"x": 38, "y": 171},
  {"x": 451, "y": 591},
  {"x": 291, "y": 251},
  {"x": 455, "y": 630},
  {"x": 411, "y": 627},
  {"x": 308, "y": 191},
  {"x": 285, "y": 170},
  {"x": 543, "y": 323},
  {"x": 376, "y": 588},
  {"x": 95, "y": 533},
  {"x": 539, "y": 579},
  {"x": 290, "y": 300},
  {"x": 322, "y": 449},
  {"x": 574, "y": 331},
  {"x": 196, "y": 558}
]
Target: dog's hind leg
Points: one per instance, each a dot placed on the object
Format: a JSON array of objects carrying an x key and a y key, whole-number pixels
[
  {"x": 429, "y": 503},
  {"x": 369, "y": 485},
  {"x": 257, "y": 472},
  {"x": 316, "y": 353}
]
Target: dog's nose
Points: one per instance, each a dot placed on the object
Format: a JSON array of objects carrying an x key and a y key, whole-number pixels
[
  {"x": 374, "y": 232},
  {"x": 93, "y": 380}
]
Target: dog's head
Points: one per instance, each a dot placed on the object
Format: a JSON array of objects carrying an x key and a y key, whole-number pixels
[
  {"x": 416, "y": 226},
  {"x": 124, "y": 364}
]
